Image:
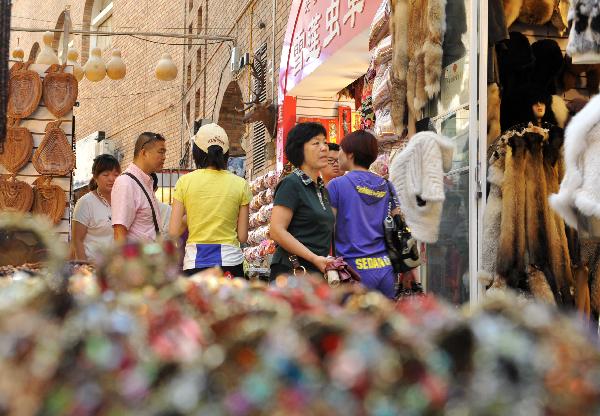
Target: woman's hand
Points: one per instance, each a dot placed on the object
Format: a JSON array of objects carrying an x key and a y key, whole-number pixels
[{"x": 321, "y": 263}]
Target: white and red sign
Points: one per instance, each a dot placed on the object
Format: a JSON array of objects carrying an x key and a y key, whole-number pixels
[{"x": 316, "y": 30}]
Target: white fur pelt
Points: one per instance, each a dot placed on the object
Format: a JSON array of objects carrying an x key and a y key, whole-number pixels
[
  {"x": 418, "y": 171},
  {"x": 579, "y": 189}
]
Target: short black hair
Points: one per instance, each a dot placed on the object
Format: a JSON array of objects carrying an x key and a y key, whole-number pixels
[
  {"x": 103, "y": 163},
  {"x": 297, "y": 137},
  {"x": 363, "y": 145},
  {"x": 215, "y": 158},
  {"x": 334, "y": 147},
  {"x": 144, "y": 139}
]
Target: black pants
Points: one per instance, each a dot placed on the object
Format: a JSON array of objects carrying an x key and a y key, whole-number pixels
[{"x": 236, "y": 271}]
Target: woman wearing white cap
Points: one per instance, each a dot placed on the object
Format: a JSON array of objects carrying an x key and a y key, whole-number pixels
[{"x": 214, "y": 202}]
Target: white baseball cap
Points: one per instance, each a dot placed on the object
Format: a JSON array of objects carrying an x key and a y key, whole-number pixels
[{"x": 211, "y": 135}]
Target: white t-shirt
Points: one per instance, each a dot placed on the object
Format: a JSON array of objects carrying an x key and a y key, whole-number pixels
[
  {"x": 165, "y": 216},
  {"x": 96, "y": 216}
]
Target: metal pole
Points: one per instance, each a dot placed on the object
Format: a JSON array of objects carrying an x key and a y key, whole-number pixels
[{"x": 123, "y": 33}]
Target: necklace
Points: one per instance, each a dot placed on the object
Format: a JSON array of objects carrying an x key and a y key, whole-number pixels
[{"x": 105, "y": 202}]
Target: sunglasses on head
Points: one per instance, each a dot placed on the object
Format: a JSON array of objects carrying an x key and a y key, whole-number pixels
[{"x": 151, "y": 137}]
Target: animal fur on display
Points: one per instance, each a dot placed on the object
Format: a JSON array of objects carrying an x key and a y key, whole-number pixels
[
  {"x": 512, "y": 8},
  {"x": 584, "y": 38},
  {"x": 493, "y": 113},
  {"x": 532, "y": 238},
  {"x": 399, "y": 28},
  {"x": 418, "y": 28},
  {"x": 536, "y": 12}
]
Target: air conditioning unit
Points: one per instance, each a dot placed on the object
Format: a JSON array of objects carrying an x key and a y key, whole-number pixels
[
  {"x": 244, "y": 60},
  {"x": 235, "y": 59},
  {"x": 106, "y": 146}
]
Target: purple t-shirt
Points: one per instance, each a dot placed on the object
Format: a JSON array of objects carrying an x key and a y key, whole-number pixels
[{"x": 361, "y": 199}]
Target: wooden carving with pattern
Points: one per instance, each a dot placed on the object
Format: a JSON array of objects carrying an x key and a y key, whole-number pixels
[
  {"x": 48, "y": 199},
  {"x": 55, "y": 155},
  {"x": 17, "y": 148},
  {"x": 24, "y": 91},
  {"x": 60, "y": 90},
  {"x": 15, "y": 195}
]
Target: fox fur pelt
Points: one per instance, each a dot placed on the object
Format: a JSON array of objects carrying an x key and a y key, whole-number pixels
[
  {"x": 531, "y": 235},
  {"x": 512, "y": 8},
  {"x": 418, "y": 28},
  {"x": 536, "y": 12},
  {"x": 493, "y": 113}
]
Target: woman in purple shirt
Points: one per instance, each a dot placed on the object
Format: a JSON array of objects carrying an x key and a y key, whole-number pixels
[{"x": 361, "y": 201}]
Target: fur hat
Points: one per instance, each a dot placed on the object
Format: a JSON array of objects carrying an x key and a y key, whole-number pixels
[
  {"x": 536, "y": 12},
  {"x": 548, "y": 64},
  {"x": 516, "y": 61}
]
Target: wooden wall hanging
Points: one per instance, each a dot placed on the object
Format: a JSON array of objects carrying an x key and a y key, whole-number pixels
[
  {"x": 25, "y": 91},
  {"x": 48, "y": 199},
  {"x": 18, "y": 145},
  {"x": 60, "y": 90},
  {"x": 15, "y": 195},
  {"x": 54, "y": 156}
]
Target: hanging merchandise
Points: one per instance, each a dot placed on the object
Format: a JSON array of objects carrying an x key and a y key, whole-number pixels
[
  {"x": 115, "y": 68},
  {"x": 18, "y": 145},
  {"x": 380, "y": 28},
  {"x": 166, "y": 70},
  {"x": 54, "y": 156},
  {"x": 536, "y": 12},
  {"x": 94, "y": 68},
  {"x": 25, "y": 91},
  {"x": 72, "y": 57},
  {"x": 47, "y": 56},
  {"x": 493, "y": 114},
  {"x": 417, "y": 173},
  {"x": 48, "y": 199},
  {"x": 15, "y": 195},
  {"x": 417, "y": 37},
  {"x": 584, "y": 38},
  {"x": 578, "y": 196},
  {"x": 60, "y": 90}
]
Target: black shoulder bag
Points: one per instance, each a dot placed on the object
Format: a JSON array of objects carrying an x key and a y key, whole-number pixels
[
  {"x": 156, "y": 227},
  {"x": 401, "y": 246}
]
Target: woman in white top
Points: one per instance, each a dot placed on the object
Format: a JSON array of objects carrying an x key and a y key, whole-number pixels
[{"x": 92, "y": 227}]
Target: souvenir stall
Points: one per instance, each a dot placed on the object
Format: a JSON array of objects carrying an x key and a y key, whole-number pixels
[{"x": 37, "y": 157}]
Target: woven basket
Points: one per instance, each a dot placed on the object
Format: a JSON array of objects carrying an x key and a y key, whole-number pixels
[
  {"x": 55, "y": 155},
  {"x": 60, "y": 90},
  {"x": 48, "y": 199},
  {"x": 18, "y": 145},
  {"x": 25, "y": 91},
  {"x": 15, "y": 195}
]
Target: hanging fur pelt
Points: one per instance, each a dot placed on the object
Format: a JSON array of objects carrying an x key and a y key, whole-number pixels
[
  {"x": 511, "y": 253},
  {"x": 493, "y": 113},
  {"x": 536, "y": 12},
  {"x": 418, "y": 28},
  {"x": 540, "y": 289},
  {"x": 512, "y": 8},
  {"x": 4, "y": 46},
  {"x": 399, "y": 31}
]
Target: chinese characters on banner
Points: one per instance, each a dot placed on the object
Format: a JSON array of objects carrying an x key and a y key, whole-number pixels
[{"x": 320, "y": 30}]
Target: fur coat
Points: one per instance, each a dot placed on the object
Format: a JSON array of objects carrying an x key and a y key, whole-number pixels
[
  {"x": 418, "y": 28},
  {"x": 417, "y": 173},
  {"x": 579, "y": 190}
]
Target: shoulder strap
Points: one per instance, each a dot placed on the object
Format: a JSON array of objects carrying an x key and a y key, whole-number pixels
[
  {"x": 156, "y": 227},
  {"x": 392, "y": 196}
]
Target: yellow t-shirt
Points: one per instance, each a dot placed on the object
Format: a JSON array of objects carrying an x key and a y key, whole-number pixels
[{"x": 212, "y": 201}]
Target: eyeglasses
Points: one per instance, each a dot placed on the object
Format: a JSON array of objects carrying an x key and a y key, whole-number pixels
[{"x": 332, "y": 161}]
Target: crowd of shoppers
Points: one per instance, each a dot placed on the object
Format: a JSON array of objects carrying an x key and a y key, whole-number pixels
[{"x": 330, "y": 205}]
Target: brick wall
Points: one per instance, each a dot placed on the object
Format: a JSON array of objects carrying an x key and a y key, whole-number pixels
[
  {"x": 137, "y": 103},
  {"x": 218, "y": 87},
  {"x": 140, "y": 102}
]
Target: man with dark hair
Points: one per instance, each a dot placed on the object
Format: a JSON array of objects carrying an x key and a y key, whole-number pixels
[
  {"x": 333, "y": 165},
  {"x": 135, "y": 209}
]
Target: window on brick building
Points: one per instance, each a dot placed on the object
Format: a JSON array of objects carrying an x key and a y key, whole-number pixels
[
  {"x": 187, "y": 115},
  {"x": 198, "y": 60},
  {"x": 102, "y": 20},
  {"x": 197, "y": 104},
  {"x": 189, "y": 76}
]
